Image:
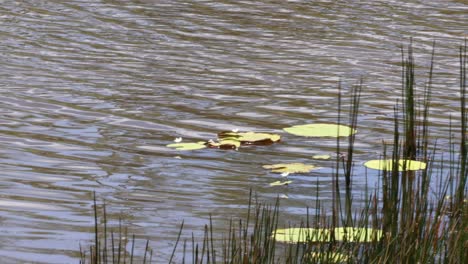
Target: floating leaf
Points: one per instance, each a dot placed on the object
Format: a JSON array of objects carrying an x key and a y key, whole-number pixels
[
  {"x": 280, "y": 183},
  {"x": 289, "y": 168},
  {"x": 320, "y": 130},
  {"x": 388, "y": 165},
  {"x": 321, "y": 157},
  {"x": 250, "y": 138},
  {"x": 350, "y": 234},
  {"x": 187, "y": 146},
  {"x": 329, "y": 257},
  {"x": 300, "y": 235},
  {"x": 225, "y": 144}
]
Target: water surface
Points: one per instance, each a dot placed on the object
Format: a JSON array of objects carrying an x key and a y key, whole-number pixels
[{"x": 92, "y": 91}]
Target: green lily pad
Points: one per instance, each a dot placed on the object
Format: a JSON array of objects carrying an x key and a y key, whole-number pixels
[
  {"x": 225, "y": 144},
  {"x": 349, "y": 234},
  {"x": 388, "y": 164},
  {"x": 280, "y": 183},
  {"x": 187, "y": 146},
  {"x": 321, "y": 157},
  {"x": 320, "y": 130},
  {"x": 290, "y": 168},
  {"x": 250, "y": 138},
  {"x": 329, "y": 257}
]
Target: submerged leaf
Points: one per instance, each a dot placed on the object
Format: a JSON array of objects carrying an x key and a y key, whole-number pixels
[
  {"x": 280, "y": 183},
  {"x": 320, "y": 130},
  {"x": 250, "y": 138},
  {"x": 402, "y": 165},
  {"x": 349, "y": 234},
  {"x": 290, "y": 168},
  {"x": 187, "y": 146}
]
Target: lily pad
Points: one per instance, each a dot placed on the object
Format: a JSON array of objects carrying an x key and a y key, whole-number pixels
[
  {"x": 321, "y": 157},
  {"x": 388, "y": 165},
  {"x": 290, "y": 167},
  {"x": 349, "y": 234},
  {"x": 187, "y": 146},
  {"x": 320, "y": 130},
  {"x": 329, "y": 257},
  {"x": 280, "y": 183},
  {"x": 225, "y": 144},
  {"x": 300, "y": 235},
  {"x": 250, "y": 138}
]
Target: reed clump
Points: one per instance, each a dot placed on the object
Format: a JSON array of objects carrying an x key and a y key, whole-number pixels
[
  {"x": 420, "y": 221},
  {"x": 111, "y": 244}
]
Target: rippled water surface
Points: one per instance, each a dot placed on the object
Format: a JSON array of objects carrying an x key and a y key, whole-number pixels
[{"x": 92, "y": 91}]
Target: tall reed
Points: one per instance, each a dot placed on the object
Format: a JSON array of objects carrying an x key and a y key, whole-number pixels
[{"x": 110, "y": 245}]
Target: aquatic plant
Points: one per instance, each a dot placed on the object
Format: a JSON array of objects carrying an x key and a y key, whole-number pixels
[
  {"x": 403, "y": 165},
  {"x": 290, "y": 168},
  {"x": 320, "y": 130},
  {"x": 187, "y": 146},
  {"x": 348, "y": 234},
  {"x": 321, "y": 157},
  {"x": 225, "y": 144},
  {"x": 280, "y": 183},
  {"x": 250, "y": 138},
  {"x": 228, "y": 140},
  {"x": 110, "y": 244}
]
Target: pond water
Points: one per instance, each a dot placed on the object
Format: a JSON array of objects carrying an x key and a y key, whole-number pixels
[{"x": 92, "y": 91}]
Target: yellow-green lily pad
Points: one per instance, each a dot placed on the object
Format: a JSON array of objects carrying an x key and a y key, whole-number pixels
[
  {"x": 300, "y": 235},
  {"x": 360, "y": 234},
  {"x": 320, "y": 130},
  {"x": 250, "y": 138},
  {"x": 321, "y": 157},
  {"x": 329, "y": 257},
  {"x": 388, "y": 165},
  {"x": 349, "y": 234},
  {"x": 290, "y": 168},
  {"x": 187, "y": 146},
  {"x": 280, "y": 183}
]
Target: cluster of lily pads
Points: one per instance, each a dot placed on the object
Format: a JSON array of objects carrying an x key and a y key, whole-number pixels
[
  {"x": 229, "y": 140},
  {"x": 235, "y": 140}
]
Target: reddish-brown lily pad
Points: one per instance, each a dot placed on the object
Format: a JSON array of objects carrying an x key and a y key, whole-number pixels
[
  {"x": 224, "y": 144},
  {"x": 250, "y": 138}
]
